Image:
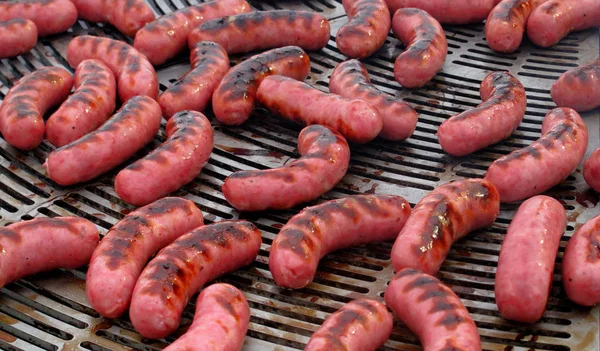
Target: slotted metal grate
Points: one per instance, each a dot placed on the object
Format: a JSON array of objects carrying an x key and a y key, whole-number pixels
[{"x": 50, "y": 311}]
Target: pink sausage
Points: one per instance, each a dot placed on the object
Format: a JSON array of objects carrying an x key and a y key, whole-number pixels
[
  {"x": 170, "y": 166},
  {"x": 578, "y": 88},
  {"x": 44, "y": 244},
  {"x": 24, "y": 106},
  {"x": 367, "y": 28},
  {"x": 129, "y": 130},
  {"x": 124, "y": 251},
  {"x": 321, "y": 229},
  {"x": 49, "y": 16},
  {"x": 17, "y": 37},
  {"x": 591, "y": 170},
  {"x": 526, "y": 263},
  {"x": 128, "y": 16},
  {"x": 449, "y": 11},
  {"x": 90, "y": 105}
]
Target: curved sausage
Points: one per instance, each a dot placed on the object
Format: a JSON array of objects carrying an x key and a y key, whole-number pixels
[
  {"x": 24, "y": 106},
  {"x": 260, "y": 30},
  {"x": 432, "y": 311},
  {"x": 44, "y": 244},
  {"x": 233, "y": 100},
  {"x": 179, "y": 270},
  {"x": 350, "y": 79},
  {"x": 129, "y": 130},
  {"x": 553, "y": 20},
  {"x": 128, "y": 16},
  {"x": 449, "y": 11},
  {"x": 505, "y": 25},
  {"x": 362, "y": 324},
  {"x": 591, "y": 170},
  {"x": 445, "y": 215},
  {"x": 194, "y": 90},
  {"x": 90, "y": 105},
  {"x": 220, "y": 322},
  {"x": 321, "y": 229},
  {"x": 165, "y": 37},
  {"x": 526, "y": 262},
  {"x": 17, "y": 37},
  {"x": 546, "y": 162},
  {"x": 578, "y": 88},
  {"x": 581, "y": 264},
  {"x": 367, "y": 28},
  {"x": 426, "y": 47},
  {"x": 357, "y": 120},
  {"x": 135, "y": 74},
  {"x": 170, "y": 166},
  {"x": 125, "y": 249},
  {"x": 49, "y": 16},
  {"x": 495, "y": 119}
]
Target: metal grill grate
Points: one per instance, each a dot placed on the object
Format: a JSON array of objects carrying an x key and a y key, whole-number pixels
[{"x": 50, "y": 312}]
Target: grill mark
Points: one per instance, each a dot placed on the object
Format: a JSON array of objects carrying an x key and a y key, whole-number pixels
[
  {"x": 439, "y": 232},
  {"x": 424, "y": 37},
  {"x": 512, "y": 11},
  {"x": 594, "y": 248},
  {"x": 170, "y": 20},
  {"x": 226, "y": 301},
  {"x": 247, "y": 20},
  {"x": 13, "y": 232},
  {"x": 206, "y": 57}
]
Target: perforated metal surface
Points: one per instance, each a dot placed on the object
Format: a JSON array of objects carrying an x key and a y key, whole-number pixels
[{"x": 50, "y": 312}]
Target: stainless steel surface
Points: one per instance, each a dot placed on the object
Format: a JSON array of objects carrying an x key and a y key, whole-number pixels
[{"x": 50, "y": 311}]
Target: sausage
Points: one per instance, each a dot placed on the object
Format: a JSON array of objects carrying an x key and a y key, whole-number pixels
[
  {"x": 129, "y": 130},
  {"x": 233, "y": 100},
  {"x": 135, "y": 74},
  {"x": 357, "y": 120},
  {"x": 581, "y": 264},
  {"x": 44, "y": 244},
  {"x": 578, "y": 88},
  {"x": 119, "y": 259},
  {"x": 368, "y": 26},
  {"x": 165, "y": 37},
  {"x": 324, "y": 162},
  {"x": 426, "y": 47},
  {"x": 194, "y": 90},
  {"x": 495, "y": 119},
  {"x": 505, "y": 25},
  {"x": 350, "y": 79},
  {"x": 553, "y": 20},
  {"x": 432, "y": 311},
  {"x": 24, "y": 106},
  {"x": 170, "y": 166},
  {"x": 49, "y": 16},
  {"x": 449, "y": 11},
  {"x": 90, "y": 105},
  {"x": 17, "y": 37},
  {"x": 546, "y": 162},
  {"x": 526, "y": 262},
  {"x": 442, "y": 217},
  {"x": 321, "y": 229},
  {"x": 128, "y": 16},
  {"x": 261, "y": 30},
  {"x": 591, "y": 170},
  {"x": 362, "y": 324},
  {"x": 182, "y": 268},
  {"x": 220, "y": 322}
]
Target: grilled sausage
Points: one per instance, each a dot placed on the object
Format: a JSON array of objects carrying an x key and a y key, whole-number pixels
[
  {"x": 135, "y": 75},
  {"x": 44, "y": 244},
  {"x": 449, "y": 11},
  {"x": 495, "y": 119},
  {"x": 17, "y": 37},
  {"x": 553, "y": 20},
  {"x": 357, "y": 120},
  {"x": 442, "y": 217},
  {"x": 128, "y": 16},
  {"x": 526, "y": 262},
  {"x": 182, "y": 268},
  {"x": 426, "y": 47},
  {"x": 362, "y": 324},
  {"x": 591, "y": 170},
  {"x": 170, "y": 166},
  {"x": 233, "y": 100},
  {"x": 546, "y": 162},
  {"x": 123, "y": 252},
  {"x": 581, "y": 264},
  {"x": 367, "y": 28},
  {"x": 165, "y": 37},
  {"x": 49, "y": 16},
  {"x": 220, "y": 323},
  {"x": 194, "y": 90},
  {"x": 129, "y": 130},
  {"x": 578, "y": 88},
  {"x": 350, "y": 79},
  {"x": 24, "y": 106},
  {"x": 90, "y": 105},
  {"x": 432, "y": 311},
  {"x": 321, "y": 229}
]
